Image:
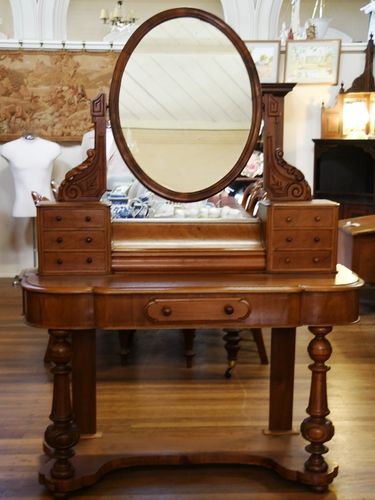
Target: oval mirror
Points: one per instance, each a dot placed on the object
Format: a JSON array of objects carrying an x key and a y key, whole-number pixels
[{"x": 185, "y": 104}]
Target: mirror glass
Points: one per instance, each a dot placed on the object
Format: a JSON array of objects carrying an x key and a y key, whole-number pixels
[{"x": 186, "y": 108}]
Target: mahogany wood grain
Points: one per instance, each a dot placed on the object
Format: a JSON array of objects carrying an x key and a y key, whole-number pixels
[
  {"x": 225, "y": 282},
  {"x": 152, "y": 245},
  {"x": 120, "y": 302},
  {"x": 282, "y": 380},
  {"x": 84, "y": 380},
  {"x": 356, "y": 246},
  {"x": 157, "y": 402}
]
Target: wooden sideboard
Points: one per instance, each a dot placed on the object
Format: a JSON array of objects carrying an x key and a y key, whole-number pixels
[
  {"x": 277, "y": 271},
  {"x": 73, "y": 307},
  {"x": 356, "y": 246},
  {"x": 344, "y": 171}
]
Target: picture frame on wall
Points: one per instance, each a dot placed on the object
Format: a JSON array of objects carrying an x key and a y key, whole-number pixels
[
  {"x": 312, "y": 61},
  {"x": 266, "y": 57}
]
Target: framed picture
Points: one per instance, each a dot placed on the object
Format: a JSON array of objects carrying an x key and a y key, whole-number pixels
[
  {"x": 312, "y": 61},
  {"x": 266, "y": 56}
]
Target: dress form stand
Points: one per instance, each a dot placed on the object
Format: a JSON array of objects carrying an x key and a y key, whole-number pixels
[{"x": 31, "y": 162}]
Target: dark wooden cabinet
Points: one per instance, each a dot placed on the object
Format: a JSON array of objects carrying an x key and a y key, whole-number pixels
[{"x": 344, "y": 172}]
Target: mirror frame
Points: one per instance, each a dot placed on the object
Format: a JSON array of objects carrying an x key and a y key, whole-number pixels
[{"x": 256, "y": 97}]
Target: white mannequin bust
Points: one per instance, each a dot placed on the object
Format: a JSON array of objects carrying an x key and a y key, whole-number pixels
[
  {"x": 31, "y": 161},
  {"x": 117, "y": 170}
]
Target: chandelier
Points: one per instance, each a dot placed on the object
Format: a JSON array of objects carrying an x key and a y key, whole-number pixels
[{"x": 116, "y": 17}]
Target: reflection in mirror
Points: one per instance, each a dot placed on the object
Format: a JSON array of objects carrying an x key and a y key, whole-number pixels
[{"x": 185, "y": 105}]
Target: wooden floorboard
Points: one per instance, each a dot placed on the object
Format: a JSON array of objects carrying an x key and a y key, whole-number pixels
[{"x": 155, "y": 396}]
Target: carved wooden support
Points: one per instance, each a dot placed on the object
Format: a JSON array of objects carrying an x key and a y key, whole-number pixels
[
  {"x": 62, "y": 435},
  {"x": 317, "y": 428},
  {"x": 88, "y": 181},
  {"x": 282, "y": 182}
]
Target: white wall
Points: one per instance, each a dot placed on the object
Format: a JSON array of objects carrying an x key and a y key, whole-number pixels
[{"x": 303, "y": 108}]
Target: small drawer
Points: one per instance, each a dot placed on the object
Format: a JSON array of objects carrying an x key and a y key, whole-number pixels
[
  {"x": 65, "y": 218},
  {"x": 85, "y": 262},
  {"x": 311, "y": 217},
  {"x": 192, "y": 309},
  {"x": 297, "y": 239},
  {"x": 74, "y": 240},
  {"x": 319, "y": 260}
]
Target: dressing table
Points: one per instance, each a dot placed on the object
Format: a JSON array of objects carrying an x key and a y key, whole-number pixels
[{"x": 277, "y": 270}]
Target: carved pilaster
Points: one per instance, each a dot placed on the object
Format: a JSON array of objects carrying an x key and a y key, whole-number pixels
[
  {"x": 317, "y": 428},
  {"x": 282, "y": 182},
  {"x": 285, "y": 182},
  {"x": 88, "y": 181},
  {"x": 62, "y": 435}
]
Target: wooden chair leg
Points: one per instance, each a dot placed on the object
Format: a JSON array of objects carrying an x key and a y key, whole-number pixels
[
  {"x": 232, "y": 346},
  {"x": 126, "y": 339},
  {"x": 258, "y": 339},
  {"x": 189, "y": 336}
]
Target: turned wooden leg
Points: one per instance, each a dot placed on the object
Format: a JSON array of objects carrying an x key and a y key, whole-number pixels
[
  {"x": 47, "y": 355},
  {"x": 62, "y": 435},
  {"x": 126, "y": 340},
  {"x": 189, "y": 336},
  {"x": 232, "y": 346},
  {"x": 283, "y": 341},
  {"x": 317, "y": 428},
  {"x": 84, "y": 380}
]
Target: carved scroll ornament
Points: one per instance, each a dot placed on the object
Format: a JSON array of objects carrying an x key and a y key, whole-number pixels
[
  {"x": 285, "y": 183},
  {"x": 87, "y": 181}
]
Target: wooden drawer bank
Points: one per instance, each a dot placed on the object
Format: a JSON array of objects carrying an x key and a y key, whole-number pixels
[
  {"x": 71, "y": 240},
  {"x": 300, "y": 236}
]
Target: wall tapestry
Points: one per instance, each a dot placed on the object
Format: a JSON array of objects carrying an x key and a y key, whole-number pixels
[{"x": 48, "y": 93}]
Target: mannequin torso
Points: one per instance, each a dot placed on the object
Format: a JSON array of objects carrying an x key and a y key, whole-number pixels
[{"x": 31, "y": 161}]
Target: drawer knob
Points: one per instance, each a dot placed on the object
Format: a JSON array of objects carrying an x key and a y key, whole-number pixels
[
  {"x": 87, "y": 218},
  {"x": 289, "y": 239},
  {"x": 58, "y": 218},
  {"x": 288, "y": 219},
  {"x": 316, "y": 239},
  {"x": 317, "y": 218},
  {"x": 89, "y": 260},
  {"x": 316, "y": 260},
  {"x": 88, "y": 239},
  {"x": 59, "y": 261},
  {"x": 166, "y": 311},
  {"x": 229, "y": 310},
  {"x": 287, "y": 260},
  {"x": 60, "y": 239}
]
